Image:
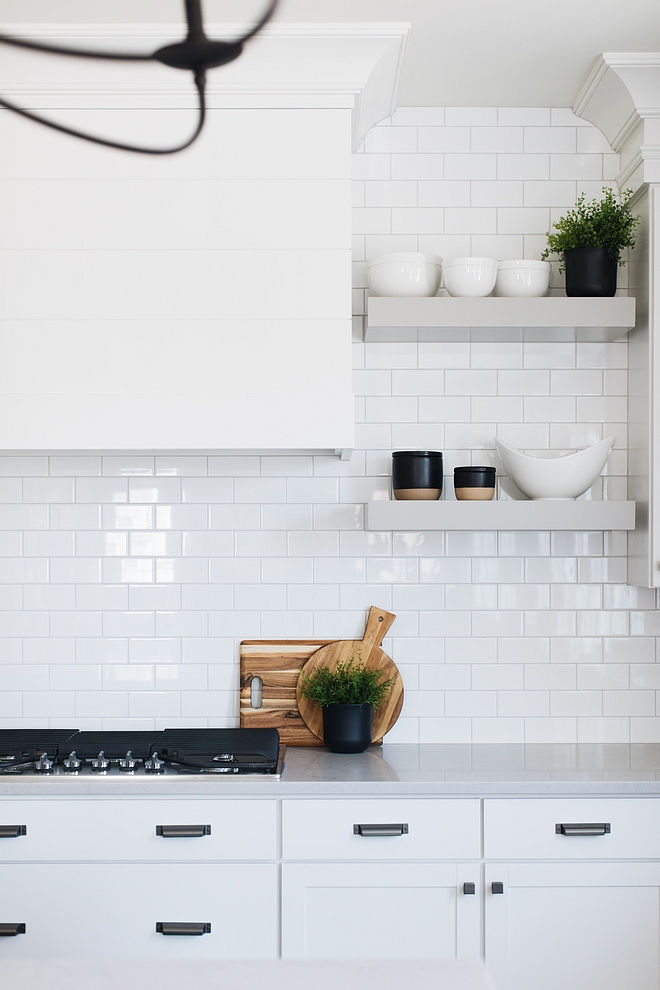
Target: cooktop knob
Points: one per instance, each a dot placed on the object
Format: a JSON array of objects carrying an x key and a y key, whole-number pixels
[
  {"x": 128, "y": 763},
  {"x": 43, "y": 764},
  {"x": 72, "y": 762},
  {"x": 153, "y": 764},
  {"x": 100, "y": 763}
]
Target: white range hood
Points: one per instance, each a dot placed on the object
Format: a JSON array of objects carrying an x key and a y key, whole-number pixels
[{"x": 195, "y": 302}]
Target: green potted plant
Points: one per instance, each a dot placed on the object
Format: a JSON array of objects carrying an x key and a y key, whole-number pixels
[
  {"x": 589, "y": 241},
  {"x": 347, "y": 695}
]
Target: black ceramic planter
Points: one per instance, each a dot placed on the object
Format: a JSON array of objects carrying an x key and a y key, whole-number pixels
[
  {"x": 347, "y": 728},
  {"x": 476, "y": 484},
  {"x": 590, "y": 272},
  {"x": 417, "y": 474}
]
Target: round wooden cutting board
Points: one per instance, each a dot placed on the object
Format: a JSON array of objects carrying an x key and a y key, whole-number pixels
[{"x": 373, "y": 658}]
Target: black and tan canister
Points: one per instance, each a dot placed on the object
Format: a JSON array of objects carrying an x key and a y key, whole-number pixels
[
  {"x": 417, "y": 474},
  {"x": 476, "y": 484}
]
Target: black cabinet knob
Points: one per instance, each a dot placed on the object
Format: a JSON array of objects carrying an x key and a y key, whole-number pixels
[
  {"x": 469, "y": 888},
  {"x": 497, "y": 887}
]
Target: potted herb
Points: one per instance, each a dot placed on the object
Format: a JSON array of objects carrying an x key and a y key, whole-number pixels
[
  {"x": 589, "y": 240},
  {"x": 347, "y": 695}
]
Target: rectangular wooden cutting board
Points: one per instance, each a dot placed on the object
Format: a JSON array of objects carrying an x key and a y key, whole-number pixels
[{"x": 278, "y": 663}]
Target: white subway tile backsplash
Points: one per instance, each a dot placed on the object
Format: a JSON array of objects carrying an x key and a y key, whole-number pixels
[
  {"x": 406, "y": 167},
  {"x": 390, "y": 140},
  {"x": 469, "y": 166},
  {"x": 126, "y": 581},
  {"x": 442, "y": 193},
  {"x": 128, "y": 517},
  {"x": 128, "y": 466}
]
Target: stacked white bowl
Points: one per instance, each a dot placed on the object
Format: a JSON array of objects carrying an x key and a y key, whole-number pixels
[
  {"x": 469, "y": 276},
  {"x": 413, "y": 273},
  {"x": 406, "y": 273},
  {"x": 522, "y": 278}
]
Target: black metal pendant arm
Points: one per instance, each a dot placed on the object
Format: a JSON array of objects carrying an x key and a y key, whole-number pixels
[
  {"x": 200, "y": 81},
  {"x": 195, "y": 54}
]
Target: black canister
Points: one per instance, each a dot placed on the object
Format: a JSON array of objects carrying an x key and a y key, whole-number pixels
[
  {"x": 475, "y": 484},
  {"x": 417, "y": 474}
]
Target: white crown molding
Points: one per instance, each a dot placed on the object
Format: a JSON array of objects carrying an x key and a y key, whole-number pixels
[
  {"x": 315, "y": 64},
  {"x": 621, "y": 89},
  {"x": 621, "y": 96}
]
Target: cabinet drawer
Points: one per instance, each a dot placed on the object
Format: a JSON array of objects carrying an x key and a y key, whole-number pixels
[
  {"x": 532, "y": 829},
  {"x": 128, "y": 830},
  {"x": 111, "y": 911},
  {"x": 357, "y": 830}
]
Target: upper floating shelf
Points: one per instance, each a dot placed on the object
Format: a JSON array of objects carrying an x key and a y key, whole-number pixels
[
  {"x": 549, "y": 318},
  {"x": 546, "y": 514}
]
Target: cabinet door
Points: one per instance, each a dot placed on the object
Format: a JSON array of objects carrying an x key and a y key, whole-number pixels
[
  {"x": 110, "y": 911},
  {"x": 586, "y": 926},
  {"x": 380, "y": 911}
]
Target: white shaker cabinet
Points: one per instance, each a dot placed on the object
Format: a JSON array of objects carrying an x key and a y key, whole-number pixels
[
  {"x": 380, "y": 911},
  {"x": 95, "y": 878},
  {"x": 381, "y": 877},
  {"x": 574, "y": 926},
  {"x": 579, "y": 905},
  {"x": 113, "y": 910}
]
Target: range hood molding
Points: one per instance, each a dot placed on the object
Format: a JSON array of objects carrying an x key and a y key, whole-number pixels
[
  {"x": 210, "y": 338},
  {"x": 287, "y": 65},
  {"x": 621, "y": 96}
]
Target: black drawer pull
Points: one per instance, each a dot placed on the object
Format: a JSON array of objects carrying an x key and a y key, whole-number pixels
[
  {"x": 469, "y": 888},
  {"x": 7, "y": 929},
  {"x": 183, "y": 927},
  {"x": 183, "y": 831},
  {"x": 497, "y": 887},
  {"x": 368, "y": 830},
  {"x": 583, "y": 828},
  {"x": 12, "y": 831}
]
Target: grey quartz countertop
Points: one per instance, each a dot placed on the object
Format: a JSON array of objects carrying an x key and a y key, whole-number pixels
[{"x": 397, "y": 770}]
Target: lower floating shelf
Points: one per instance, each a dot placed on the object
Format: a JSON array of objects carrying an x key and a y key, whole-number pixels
[{"x": 508, "y": 515}]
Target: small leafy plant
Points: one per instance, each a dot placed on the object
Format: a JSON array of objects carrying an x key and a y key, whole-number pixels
[
  {"x": 603, "y": 223},
  {"x": 351, "y": 683}
]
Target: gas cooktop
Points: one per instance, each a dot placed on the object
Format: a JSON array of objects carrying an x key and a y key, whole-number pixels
[{"x": 52, "y": 752}]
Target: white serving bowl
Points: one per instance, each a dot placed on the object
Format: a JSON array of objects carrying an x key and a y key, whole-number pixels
[
  {"x": 564, "y": 476},
  {"x": 469, "y": 276},
  {"x": 522, "y": 278},
  {"x": 407, "y": 273}
]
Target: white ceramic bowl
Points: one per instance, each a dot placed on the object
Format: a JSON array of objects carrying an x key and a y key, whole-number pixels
[
  {"x": 564, "y": 476},
  {"x": 469, "y": 276},
  {"x": 522, "y": 278},
  {"x": 407, "y": 273}
]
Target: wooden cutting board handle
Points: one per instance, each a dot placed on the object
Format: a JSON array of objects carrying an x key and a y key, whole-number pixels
[{"x": 378, "y": 622}]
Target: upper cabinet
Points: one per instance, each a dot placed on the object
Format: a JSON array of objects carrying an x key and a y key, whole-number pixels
[{"x": 199, "y": 301}]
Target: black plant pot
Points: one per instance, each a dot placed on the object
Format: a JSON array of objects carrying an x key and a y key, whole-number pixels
[
  {"x": 590, "y": 272},
  {"x": 347, "y": 728}
]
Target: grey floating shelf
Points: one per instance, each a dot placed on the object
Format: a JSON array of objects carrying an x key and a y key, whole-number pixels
[
  {"x": 507, "y": 515},
  {"x": 549, "y": 318}
]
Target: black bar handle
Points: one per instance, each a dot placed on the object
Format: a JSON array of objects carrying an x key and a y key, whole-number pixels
[
  {"x": 497, "y": 887},
  {"x": 7, "y": 929},
  {"x": 183, "y": 831},
  {"x": 183, "y": 927},
  {"x": 12, "y": 831},
  {"x": 583, "y": 828},
  {"x": 469, "y": 888},
  {"x": 400, "y": 828}
]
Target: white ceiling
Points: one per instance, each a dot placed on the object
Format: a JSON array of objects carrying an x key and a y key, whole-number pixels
[{"x": 461, "y": 52}]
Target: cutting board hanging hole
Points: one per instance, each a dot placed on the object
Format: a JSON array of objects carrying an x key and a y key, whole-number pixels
[{"x": 256, "y": 692}]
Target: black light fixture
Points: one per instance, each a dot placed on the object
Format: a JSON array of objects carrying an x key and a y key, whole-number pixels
[{"x": 195, "y": 54}]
